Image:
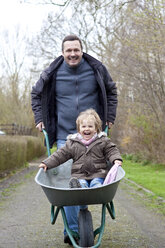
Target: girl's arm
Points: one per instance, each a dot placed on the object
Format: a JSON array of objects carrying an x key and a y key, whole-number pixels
[
  {"x": 58, "y": 157},
  {"x": 42, "y": 165},
  {"x": 118, "y": 162}
]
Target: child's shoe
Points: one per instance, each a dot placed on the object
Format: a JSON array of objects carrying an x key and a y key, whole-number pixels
[{"x": 74, "y": 183}]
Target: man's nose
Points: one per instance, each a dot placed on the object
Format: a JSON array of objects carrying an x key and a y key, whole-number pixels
[{"x": 72, "y": 53}]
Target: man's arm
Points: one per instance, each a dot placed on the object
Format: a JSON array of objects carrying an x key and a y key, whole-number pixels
[
  {"x": 111, "y": 91},
  {"x": 36, "y": 103}
]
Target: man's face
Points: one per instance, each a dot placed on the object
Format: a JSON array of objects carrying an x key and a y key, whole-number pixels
[{"x": 72, "y": 52}]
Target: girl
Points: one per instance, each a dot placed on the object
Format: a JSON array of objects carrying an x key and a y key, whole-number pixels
[{"x": 90, "y": 150}]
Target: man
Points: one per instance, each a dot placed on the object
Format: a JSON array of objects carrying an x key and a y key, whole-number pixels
[{"x": 74, "y": 82}]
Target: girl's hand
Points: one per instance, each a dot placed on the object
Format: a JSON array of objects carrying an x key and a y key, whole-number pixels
[
  {"x": 118, "y": 162},
  {"x": 42, "y": 165}
]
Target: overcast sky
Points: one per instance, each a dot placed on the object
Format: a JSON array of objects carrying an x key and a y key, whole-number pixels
[
  {"x": 16, "y": 15},
  {"x": 28, "y": 16}
]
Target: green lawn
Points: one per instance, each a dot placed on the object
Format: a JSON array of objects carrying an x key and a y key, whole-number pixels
[{"x": 150, "y": 176}]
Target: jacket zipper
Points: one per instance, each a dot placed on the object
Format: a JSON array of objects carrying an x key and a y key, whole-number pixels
[{"x": 77, "y": 100}]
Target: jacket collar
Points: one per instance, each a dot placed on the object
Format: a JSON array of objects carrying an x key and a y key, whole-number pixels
[
  {"x": 49, "y": 71},
  {"x": 75, "y": 136},
  {"x": 95, "y": 142},
  {"x": 94, "y": 63}
]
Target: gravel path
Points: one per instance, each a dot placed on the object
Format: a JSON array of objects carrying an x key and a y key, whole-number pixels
[{"x": 25, "y": 218}]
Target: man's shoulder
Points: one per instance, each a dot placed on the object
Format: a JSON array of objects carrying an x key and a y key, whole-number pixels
[
  {"x": 56, "y": 61},
  {"x": 91, "y": 60},
  {"x": 52, "y": 67}
]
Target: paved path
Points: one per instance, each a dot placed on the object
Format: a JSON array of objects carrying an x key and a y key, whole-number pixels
[{"x": 25, "y": 218}]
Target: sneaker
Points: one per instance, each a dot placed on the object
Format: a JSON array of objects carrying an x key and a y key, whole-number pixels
[
  {"x": 74, "y": 183},
  {"x": 68, "y": 241}
]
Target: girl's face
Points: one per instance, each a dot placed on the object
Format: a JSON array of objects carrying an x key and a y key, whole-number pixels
[{"x": 87, "y": 129}]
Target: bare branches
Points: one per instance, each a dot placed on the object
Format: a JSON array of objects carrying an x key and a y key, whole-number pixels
[
  {"x": 128, "y": 37},
  {"x": 48, "y": 2}
]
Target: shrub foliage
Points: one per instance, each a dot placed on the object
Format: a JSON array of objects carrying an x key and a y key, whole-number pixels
[{"x": 15, "y": 151}]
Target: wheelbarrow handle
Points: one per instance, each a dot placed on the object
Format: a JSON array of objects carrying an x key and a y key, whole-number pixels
[
  {"x": 106, "y": 129},
  {"x": 47, "y": 141}
]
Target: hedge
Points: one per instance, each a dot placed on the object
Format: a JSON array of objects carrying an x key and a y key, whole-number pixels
[{"x": 15, "y": 151}]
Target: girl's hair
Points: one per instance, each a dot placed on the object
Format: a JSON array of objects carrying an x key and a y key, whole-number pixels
[{"x": 89, "y": 114}]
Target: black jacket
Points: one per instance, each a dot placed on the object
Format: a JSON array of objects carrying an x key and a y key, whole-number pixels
[{"x": 43, "y": 100}]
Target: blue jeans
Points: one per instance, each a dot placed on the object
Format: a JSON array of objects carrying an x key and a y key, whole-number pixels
[
  {"x": 94, "y": 183},
  {"x": 70, "y": 211}
]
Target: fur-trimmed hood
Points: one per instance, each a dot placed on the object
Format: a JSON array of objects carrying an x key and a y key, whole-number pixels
[{"x": 75, "y": 135}]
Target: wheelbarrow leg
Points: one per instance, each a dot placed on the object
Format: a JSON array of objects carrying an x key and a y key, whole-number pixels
[
  {"x": 111, "y": 209},
  {"x": 100, "y": 230},
  {"x": 54, "y": 214},
  {"x": 70, "y": 233}
]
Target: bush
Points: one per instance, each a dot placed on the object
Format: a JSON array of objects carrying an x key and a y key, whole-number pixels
[
  {"x": 15, "y": 151},
  {"x": 35, "y": 148},
  {"x": 144, "y": 137}
]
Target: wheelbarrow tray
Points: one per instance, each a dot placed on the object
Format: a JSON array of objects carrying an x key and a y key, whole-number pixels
[{"x": 56, "y": 188}]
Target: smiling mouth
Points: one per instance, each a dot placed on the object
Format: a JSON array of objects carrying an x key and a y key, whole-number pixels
[
  {"x": 87, "y": 133},
  {"x": 73, "y": 58}
]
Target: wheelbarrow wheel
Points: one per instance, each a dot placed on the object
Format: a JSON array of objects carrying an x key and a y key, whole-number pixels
[{"x": 85, "y": 229}]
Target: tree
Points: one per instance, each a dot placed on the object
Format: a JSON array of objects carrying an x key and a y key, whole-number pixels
[
  {"x": 15, "y": 82},
  {"x": 128, "y": 37},
  {"x": 141, "y": 63}
]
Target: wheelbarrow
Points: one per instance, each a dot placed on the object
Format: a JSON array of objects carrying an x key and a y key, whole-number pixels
[{"x": 56, "y": 188}]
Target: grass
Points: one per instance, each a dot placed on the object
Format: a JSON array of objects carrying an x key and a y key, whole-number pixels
[{"x": 149, "y": 176}]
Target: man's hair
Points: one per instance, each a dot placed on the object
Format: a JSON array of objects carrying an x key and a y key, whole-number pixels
[
  {"x": 71, "y": 38},
  {"x": 89, "y": 114}
]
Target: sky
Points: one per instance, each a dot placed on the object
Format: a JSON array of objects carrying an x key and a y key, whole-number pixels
[
  {"x": 28, "y": 16},
  {"x": 27, "y": 19}
]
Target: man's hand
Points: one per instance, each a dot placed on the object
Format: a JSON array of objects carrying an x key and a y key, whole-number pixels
[
  {"x": 109, "y": 124},
  {"x": 40, "y": 126},
  {"x": 42, "y": 165}
]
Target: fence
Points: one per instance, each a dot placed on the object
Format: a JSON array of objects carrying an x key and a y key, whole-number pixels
[{"x": 15, "y": 129}]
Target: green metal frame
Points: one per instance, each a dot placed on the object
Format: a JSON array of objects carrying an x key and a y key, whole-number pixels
[
  {"x": 54, "y": 171},
  {"x": 99, "y": 231},
  {"x": 47, "y": 142}
]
